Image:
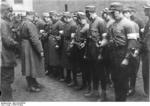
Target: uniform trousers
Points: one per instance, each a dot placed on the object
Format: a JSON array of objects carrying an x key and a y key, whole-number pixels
[
  {"x": 86, "y": 74},
  {"x": 145, "y": 70},
  {"x": 120, "y": 74},
  {"x": 98, "y": 74},
  {"x": 74, "y": 60},
  {"x": 7, "y": 78},
  {"x": 107, "y": 63},
  {"x": 133, "y": 69}
]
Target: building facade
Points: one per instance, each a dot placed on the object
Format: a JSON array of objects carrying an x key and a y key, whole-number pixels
[
  {"x": 20, "y": 5},
  {"x": 41, "y": 6}
]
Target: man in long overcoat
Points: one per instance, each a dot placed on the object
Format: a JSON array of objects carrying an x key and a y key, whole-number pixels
[
  {"x": 80, "y": 54},
  {"x": 69, "y": 32},
  {"x": 44, "y": 38},
  {"x": 32, "y": 53},
  {"x": 55, "y": 45},
  {"x": 8, "y": 58}
]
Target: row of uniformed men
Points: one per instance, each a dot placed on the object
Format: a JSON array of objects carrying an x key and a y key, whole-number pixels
[{"x": 104, "y": 50}]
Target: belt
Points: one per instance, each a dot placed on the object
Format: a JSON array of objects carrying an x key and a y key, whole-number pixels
[
  {"x": 67, "y": 38},
  {"x": 119, "y": 47},
  {"x": 25, "y": 38}
]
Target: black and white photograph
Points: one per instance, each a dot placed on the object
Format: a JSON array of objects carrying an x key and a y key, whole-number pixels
[{"x": 74, "y": 51}]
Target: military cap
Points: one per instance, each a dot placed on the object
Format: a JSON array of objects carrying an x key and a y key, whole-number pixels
[
  {"x": 45, "y": 14},
  {"x": 67, "y": 14},
  {"x": 105, "y": 10},
  {"x": 133, "y": 9},
  {"x": 147, "y": 5},
  {"x": 90, "y": 8},
  {"x": 30, "y": 13},
  {"x": 59, "y": 14},
  {"x": 51, "y": 13},
  {"x": 116, "y": 6},
  {"x": 81, "y": 15},
  {"x": 54, "y": 13},
  {"x": 74, "y": 13},
  {"x": 127, "y": 9}
]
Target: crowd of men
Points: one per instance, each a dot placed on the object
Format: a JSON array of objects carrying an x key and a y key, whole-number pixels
[{"x": 104, "y": 51}]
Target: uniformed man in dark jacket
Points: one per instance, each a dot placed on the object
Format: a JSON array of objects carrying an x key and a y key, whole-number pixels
[
  {"x": 135, "y": 62},
  {"x": 97, "y": 31},
  {"x": 69, "y": 33},
  {"x": 55, "y": 45},
  {"x": 44, "y": 38},
  {"x": 81, "y": 46},
  {"x": 8, "y": 58},
  {"x": 146, "y": 52},
  {"x": 107, "y": 16},
  {"x": 123, "y": 39}
]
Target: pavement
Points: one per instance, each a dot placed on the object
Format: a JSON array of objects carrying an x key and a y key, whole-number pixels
[{"x": 53, "y": 91}]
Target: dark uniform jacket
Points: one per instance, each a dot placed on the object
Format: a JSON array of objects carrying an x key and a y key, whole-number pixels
[
  {"x": 82, "y": 33},
  {"x": 54, "y": 53},
  {"x": 97, "y": 28},
  {"x": 122, "y": 34},
  {"x": 69, "y": 28},
  {"x": 120, "y": 31},
  {"x": 77, "y": 53}
]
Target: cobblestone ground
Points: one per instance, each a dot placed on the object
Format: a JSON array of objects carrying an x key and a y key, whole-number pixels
[{"x": 54, "y": 90}]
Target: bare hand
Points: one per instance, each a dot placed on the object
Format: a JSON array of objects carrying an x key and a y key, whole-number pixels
[
  {"x": 42, "y": 54},
  {"x": 125, "y": 62}
]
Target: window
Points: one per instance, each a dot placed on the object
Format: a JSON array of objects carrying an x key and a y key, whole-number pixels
[{"x": 18, "y": 1}]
